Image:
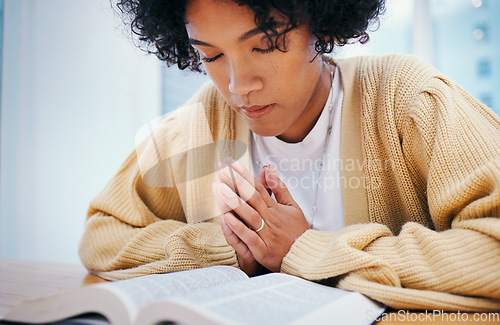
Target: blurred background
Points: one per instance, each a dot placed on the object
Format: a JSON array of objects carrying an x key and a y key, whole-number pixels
[{"x": 74, "y": 91}]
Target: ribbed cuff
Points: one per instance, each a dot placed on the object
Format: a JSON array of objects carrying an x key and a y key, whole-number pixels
[
  {"x": 305, "y": 253},
  {"x": 206, "y": 241},
  {"x": 323, "y": 254}
]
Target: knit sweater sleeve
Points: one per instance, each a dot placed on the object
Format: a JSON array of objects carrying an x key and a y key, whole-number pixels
[
  {"x": 449, "y": 147},
  {"x": 135, "y": 228}
]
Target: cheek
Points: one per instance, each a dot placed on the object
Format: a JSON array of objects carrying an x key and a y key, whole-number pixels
[
  {"x": 221, "y": 81},
  {"x": 219, "y": 78},
  {"x": 213, "y": 73}
]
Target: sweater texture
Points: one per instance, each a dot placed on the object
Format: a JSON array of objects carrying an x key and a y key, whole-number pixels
[{"x": 421, "y": 185}]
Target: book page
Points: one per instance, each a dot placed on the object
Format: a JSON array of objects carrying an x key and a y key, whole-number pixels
[
  {"x": 58, "y": 307},
  {"x": 277, "y": 299},
  {"x": 138, "y": 292}
]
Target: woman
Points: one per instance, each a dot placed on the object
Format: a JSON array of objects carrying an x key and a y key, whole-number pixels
[{"x": 376, "y": 173}]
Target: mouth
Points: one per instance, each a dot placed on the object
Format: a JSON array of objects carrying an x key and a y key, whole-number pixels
[{"x": 257, "y": 111}]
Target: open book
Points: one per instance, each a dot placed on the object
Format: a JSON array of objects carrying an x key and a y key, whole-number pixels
[{"x": 214, "y": 295}]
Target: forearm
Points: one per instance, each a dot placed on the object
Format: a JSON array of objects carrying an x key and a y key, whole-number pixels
[
  {"x": 459, "y": 261},
  {"x": 419, "y": 269},
  {"x": 114, "y": 250},
  {"x": 318, "y": 255}
]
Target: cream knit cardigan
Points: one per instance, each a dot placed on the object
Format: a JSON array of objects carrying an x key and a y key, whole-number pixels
[{"x": 421, "y": 172}]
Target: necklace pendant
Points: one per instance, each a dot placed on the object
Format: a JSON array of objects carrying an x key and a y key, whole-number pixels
[{"x": 314, "y": 208}]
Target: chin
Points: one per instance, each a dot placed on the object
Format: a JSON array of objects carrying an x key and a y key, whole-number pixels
[{"x": 265, "y": 133}]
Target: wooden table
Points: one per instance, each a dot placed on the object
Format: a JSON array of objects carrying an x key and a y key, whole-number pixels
[{"x": 25, "y": 279}]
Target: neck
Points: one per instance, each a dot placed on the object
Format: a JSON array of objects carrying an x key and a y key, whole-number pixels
[{"x": 314, "y": 107}]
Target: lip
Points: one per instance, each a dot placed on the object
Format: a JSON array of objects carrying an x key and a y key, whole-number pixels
[{"x": 257, "y": 111}]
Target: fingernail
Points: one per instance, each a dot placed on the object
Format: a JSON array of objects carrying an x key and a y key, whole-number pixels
[
  {"x": 223, "y": 173},
  {"x": 269, "y": 169},
  {"x": 239, "y": 167},
  {"x": 224, "y": 168},
  {"x": 226, "y": 191},
  {"x": 236, "y": 165},
  {"x": 223, "y": 224},
  {"x": 232, "y": 221}
]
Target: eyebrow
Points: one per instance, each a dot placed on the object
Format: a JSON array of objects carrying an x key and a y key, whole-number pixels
[{"x": 242, "y": 38}]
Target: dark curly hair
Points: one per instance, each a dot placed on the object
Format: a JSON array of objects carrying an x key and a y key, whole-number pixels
[{"x": 160, "y": 24}]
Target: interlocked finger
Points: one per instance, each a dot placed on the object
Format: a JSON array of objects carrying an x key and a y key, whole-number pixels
[
  {"x": 246, "y": 189},
  {"x": 249, "y": 215},
  {"x": 258, "y": 185}
]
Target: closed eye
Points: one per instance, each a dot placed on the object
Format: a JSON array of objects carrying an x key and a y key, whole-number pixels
[
  {"x": 269, "y": 50},
  {"x": 262, "y": 51},
  {"x": 212, "y": 59}
]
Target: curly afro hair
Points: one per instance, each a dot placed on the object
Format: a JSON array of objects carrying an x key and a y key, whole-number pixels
[{"x": 160, "y": 24}]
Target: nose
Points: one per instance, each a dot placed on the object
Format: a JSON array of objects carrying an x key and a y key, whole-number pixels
[{"x": 244, "y": 78}]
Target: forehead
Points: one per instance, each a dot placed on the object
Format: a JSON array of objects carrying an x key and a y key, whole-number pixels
[
  {"x": 221, "y": 17},
  {"x": 211, "y": 11}
]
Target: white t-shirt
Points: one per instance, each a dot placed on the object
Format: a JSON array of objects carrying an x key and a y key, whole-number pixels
[{"x": 299, "y": 164}]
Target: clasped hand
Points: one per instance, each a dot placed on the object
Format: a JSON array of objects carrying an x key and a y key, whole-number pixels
[{"x": 260, "y": 229}]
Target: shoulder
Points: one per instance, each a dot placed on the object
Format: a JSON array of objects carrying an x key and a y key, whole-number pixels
[
  {"x": 396, "y": 69},
  {"x": 395, "y": 79},
  {"x": 205, "y": 107},
  {"x": 204, "y": 117},
  {"x": 193, "y": 125},
  {"x": 208, "y": 95},
  {"x": 375, "y": 62}
]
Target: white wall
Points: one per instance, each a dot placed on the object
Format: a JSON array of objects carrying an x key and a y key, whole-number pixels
[
  {"x": 392, "y": 35},
  {"x": 74, "y": 93}
]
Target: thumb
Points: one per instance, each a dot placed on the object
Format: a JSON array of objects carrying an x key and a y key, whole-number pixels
[
  {"x": 278, "y": 188},
  {"x": 262, "y": 179}
]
